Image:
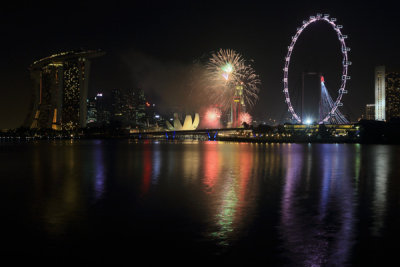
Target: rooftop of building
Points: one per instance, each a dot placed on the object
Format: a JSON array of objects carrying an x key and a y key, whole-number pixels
[{"x": 64, "y": 56}]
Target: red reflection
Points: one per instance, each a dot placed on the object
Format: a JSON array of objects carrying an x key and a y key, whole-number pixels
[
  {"x": 246, "y": 162},
  {"x": 146, "y": 171},
  {"x": 211, "y": 167}
]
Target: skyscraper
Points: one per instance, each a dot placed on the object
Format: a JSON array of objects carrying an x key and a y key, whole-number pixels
[
  {"x": 380, "y": 96},
  {"x": 387, "y": 94},
  {"x": 392, "y": 95},
  {"x": 98, "y": 113},
  {"x": 60, "y": 90},
  {"x": 141, "y": 104},
  {"x": 91, "y": 111},
  {"x": 117, "y": 106},
  {"x": 370, "y": 112}
]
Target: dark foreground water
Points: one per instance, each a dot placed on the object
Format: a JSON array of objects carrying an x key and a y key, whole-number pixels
[{"x": 108, "y": 201}]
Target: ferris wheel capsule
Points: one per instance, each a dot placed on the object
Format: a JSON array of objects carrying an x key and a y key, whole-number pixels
[
  {"x": 346, "y": 63},
  {"x": 345, "y": 49}
]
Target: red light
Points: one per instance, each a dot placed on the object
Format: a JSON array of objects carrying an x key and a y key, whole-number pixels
[
  {"x": 147, "y": 104},
  {"x": 212, "y": 118},
  {"x": 245, "y": 117},
  {"x": 322, "y": 79}
]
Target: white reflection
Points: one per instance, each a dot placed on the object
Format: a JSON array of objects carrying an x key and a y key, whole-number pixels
[{"x": 381, "y": 168}]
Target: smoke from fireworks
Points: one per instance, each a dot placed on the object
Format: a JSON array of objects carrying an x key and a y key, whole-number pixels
[{"x": 226, "y": 70}]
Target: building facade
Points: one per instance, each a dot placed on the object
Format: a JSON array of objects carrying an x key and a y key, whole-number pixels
[
  {"x": 60, "y": 90},
  {"x": 370, "y": 112},
  {"x": 91, "y": 111},
  {"x": 387, "y": 94},
  {"x": 392, "y": 95},
  {"x": 380, "y": 96}
]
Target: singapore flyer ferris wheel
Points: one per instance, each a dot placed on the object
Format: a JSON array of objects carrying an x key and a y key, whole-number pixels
[{"x": 345, "y": 63}]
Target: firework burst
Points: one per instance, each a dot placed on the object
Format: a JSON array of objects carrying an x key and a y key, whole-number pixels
[
  {"x": 245, "y": 117},
  {"x": 212, "y": 117},
  {"x": 226, "y": 70}
]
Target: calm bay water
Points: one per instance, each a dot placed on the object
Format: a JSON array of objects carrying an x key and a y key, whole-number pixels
[{"x": 118, "y": 201}]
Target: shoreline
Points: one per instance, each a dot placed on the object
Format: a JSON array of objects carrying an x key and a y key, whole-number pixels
[{"x": 337, "y": 140}]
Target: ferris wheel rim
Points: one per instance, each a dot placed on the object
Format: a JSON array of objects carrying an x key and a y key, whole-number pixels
[{"x": 345, "y": 63}]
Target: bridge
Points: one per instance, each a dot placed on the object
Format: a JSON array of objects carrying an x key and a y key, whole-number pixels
[
  {"x": 280, "y": 133},
  {"x": 199, "y": 134}
]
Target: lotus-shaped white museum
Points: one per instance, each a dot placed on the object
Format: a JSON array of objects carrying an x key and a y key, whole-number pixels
[{"x": 188, "y": 124}]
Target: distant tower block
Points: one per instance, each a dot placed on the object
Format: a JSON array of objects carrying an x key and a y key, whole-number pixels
[
  {"x": 380, "y": 96},
  {"x": 60, "y": 90}
]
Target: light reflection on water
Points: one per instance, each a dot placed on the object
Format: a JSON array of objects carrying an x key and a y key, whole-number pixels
[
  {"x": 320, "y": 231},
  {"x": 309, "y": 203},
  {"x": 100, "y": 172},
  {"x": 381, "y": 170},
  {"x": 227, "y": 180}
]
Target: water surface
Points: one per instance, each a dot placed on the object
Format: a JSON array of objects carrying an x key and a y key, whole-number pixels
[{"x": 119, "y": 201}]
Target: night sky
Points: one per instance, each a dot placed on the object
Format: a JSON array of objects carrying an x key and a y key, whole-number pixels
[{"x": 151, "y": 45}]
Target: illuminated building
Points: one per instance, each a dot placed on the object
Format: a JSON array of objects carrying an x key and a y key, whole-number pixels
[
  {"x": 129, "y": 108},
  {"x": 380, "y": 99},
  {"x": 91, "y": 111},
  {"x": 60, "y": 90},
  {"x": 387, "y": 94},
  {"x": 135, "y": 107},
  {"x": 117, "y": 106},
  {"x": 392, "y": 95},
  {"x": 370, "y": 112},
  {"x": 97, "y": 111},
  {"x": 140, "y": 110},
  {"x": 103, "y": 113},
  {"x": 188, "y": 124}
]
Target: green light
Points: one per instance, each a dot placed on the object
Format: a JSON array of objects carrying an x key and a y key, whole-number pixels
[{"x": 228, "y": 68}]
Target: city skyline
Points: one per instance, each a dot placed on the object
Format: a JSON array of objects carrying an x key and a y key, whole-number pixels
[{"x": 152, "y": 44}]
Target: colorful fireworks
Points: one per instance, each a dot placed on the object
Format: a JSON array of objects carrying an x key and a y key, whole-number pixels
[
  {"x": 212, "y": 118},
  {"x": 226, "y": 70},
  {"x": 245, "y": 117}
]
